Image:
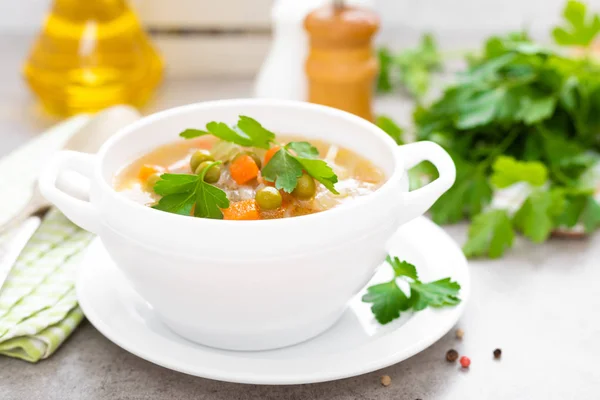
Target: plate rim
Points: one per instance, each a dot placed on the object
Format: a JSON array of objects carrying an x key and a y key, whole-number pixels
[{"x": 397, "y": 355}]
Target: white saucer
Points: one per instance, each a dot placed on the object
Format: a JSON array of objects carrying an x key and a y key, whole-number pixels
[{"x": 357, "y": 344}]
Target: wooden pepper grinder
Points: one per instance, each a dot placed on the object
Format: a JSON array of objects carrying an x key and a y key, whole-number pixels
[{"x": 341, "y": 66}]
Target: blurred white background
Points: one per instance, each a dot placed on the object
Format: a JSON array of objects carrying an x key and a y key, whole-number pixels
[
  {"x": 478, "y": 16},
  {"x": 244, "y": 25}
]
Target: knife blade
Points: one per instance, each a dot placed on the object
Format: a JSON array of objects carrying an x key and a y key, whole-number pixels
[{"x": 13, "y": 245}]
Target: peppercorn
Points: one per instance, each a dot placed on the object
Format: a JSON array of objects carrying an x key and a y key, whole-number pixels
[
  {"x": 386, "y": 380},
  {"x": 497, "y": 353},
  {"x": 460, "y": 333},
  {"x": 465, "y": 362},
  {"x": 451, "y": 355}
]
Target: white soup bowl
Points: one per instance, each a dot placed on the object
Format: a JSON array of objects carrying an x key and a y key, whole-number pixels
[{"x": 249, "y": 285}]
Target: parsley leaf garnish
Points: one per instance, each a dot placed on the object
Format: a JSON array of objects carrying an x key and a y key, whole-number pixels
[
  {"x": 283, "y": 169},
  {"x": 175, "y": 183},
  {"x": 177, "y": 203},
  {"x": 303, "y": 149},
  {"x": 388, "y": 300},
  {"x": 286, "y": 165},
  {"x": 209, "y": 201},
  {"x": 248, "y": 132},
  {"x": 319, "y": 170},
  {"x": 260, "y": 136},
  {"x": 183, "y": 192}
]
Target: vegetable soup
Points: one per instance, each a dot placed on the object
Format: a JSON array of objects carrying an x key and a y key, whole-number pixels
[{"x": 245, "y": 172}]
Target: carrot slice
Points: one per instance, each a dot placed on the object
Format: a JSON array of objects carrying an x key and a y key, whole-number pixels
[
  {"x": 147, "y": 170},
  {"x": 243, "y": 169},
  {"x": 270, "y": 153},
  {"x": 242, "y": 210}
]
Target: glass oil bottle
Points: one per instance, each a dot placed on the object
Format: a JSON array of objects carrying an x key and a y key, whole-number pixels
[{"x": 92, "y": 54}]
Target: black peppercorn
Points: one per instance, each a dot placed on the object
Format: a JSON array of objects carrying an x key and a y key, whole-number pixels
[
  {"x": 451, "y": 355},
  {"x": 497, "y": 353}
]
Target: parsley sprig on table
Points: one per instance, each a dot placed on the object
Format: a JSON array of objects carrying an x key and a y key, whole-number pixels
[
  {"x": 287, "y": 164},
  {"x": 521, "y": 113},
  {"x": 389, "y": 300}
]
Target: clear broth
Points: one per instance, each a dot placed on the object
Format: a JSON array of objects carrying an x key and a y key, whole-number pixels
[{"x": 357, "y": 176}]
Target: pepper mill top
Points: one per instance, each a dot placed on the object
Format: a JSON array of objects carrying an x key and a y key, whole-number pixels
[
  {"x": 341, "y": 66},
  {"x": 341, "y": 26}
]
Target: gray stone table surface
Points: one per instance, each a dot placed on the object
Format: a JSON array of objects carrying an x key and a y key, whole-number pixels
[{"x": 540, "y": 304}]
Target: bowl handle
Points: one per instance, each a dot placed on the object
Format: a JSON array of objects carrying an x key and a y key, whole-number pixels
[
  {"x": 418, "y": 201},
  {"x": 79, "y": 211}
]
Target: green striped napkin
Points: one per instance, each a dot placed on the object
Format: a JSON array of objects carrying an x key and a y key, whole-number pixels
[{"x": 38, "y": 306}]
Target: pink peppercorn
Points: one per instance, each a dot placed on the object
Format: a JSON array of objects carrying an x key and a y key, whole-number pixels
[{"x": 465, "y": 361}]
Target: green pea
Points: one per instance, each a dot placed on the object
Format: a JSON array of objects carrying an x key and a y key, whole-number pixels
[
  {"x": 199, "y": 157},
  {"x": 268, "y": 198},
  {"x": 212, "y": 175},
  {"x": 151, "y": 181},
  {"x": 306, "y": 188},
  {"x": 253, "y": 156}
]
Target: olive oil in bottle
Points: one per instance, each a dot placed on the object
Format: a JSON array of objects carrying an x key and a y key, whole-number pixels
[{"x": 91, "y": 55}]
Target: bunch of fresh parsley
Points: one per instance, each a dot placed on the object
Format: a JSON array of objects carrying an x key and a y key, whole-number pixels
[
  {"x": 184, "y": 193},
  {"x": 389, "y": 300},
  {"x": 409, "y": 69},
  {"x": 521, "y": 113}
]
